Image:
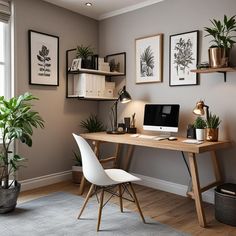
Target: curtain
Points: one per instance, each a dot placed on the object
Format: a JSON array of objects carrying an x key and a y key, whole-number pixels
[{"x": 5, "y": 11}]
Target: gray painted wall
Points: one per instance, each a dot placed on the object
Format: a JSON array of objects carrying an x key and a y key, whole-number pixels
[
  {"x": 52, "y": 147},
  {"x": 118, "y": 34}
]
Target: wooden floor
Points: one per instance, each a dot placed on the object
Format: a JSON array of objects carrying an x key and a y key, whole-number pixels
[{"x": 173, "y": 210}]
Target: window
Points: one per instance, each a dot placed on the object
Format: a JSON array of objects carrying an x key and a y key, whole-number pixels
[
  {"x": 4, "y": 49},
  {"x": 4, "y": 60}
]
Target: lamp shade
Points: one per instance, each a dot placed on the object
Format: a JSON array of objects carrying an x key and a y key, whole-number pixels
[
  {"x": 124, "y": 96},
  {"x": 199, "y": 108}
]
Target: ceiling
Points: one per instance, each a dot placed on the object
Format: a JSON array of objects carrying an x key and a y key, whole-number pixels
[{"x": 102, "y": 9}]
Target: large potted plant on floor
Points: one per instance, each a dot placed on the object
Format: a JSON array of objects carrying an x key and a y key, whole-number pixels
[
  {"x": 221, "y": 31},
  {"x": 17, "y": 120}
]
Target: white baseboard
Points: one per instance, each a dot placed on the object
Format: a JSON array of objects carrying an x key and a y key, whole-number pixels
[
  {"x": 171, "y": 187},
  {"x": 45, "y": 180},
  {"x": 151, "y": 182}
]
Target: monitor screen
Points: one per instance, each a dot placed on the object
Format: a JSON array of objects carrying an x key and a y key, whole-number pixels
[{"x": 161, "y": 117}]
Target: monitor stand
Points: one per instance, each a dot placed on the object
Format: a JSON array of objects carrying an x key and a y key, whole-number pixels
[{"x": 164, "y": 135}]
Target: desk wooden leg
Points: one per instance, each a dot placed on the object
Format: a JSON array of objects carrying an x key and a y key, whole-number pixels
[
  {"x": 197, "y": 189},
  {"x": 216, "y": 166},
  {"x": 128, "y": 157}
]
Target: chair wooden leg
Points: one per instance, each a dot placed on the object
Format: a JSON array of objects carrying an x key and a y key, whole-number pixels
[
  {"x": 86, "y": 200},
  {"x": 100, "y": 209},
  {"x": 120, "y": 197},
  {"x": 136, "y": 202}
]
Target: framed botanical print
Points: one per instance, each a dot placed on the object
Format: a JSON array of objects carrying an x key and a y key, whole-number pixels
[
  {"x": 117, "y": 62},
  {"x": 43, "y": 59},
  {"x": 183, "y": 58},
  {"x": 149, "y": 56}
]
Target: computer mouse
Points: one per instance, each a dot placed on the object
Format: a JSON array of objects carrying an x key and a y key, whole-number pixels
[{"x": 172, "y": 138}]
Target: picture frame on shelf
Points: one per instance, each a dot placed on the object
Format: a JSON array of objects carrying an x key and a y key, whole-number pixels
[
  {"x": 117, "y": 62},
  {"x": 43, "y": 59},
  {"x": 76, "y": 64},
  {"x": 149, "y": 59},
  {"x": 183, "y": 57}
]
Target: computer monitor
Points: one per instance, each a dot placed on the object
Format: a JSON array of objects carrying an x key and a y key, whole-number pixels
[{"x": 161, "y": 117}]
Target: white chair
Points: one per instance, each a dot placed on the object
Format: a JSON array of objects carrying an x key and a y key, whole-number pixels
[{"x": 104, "y": 180}]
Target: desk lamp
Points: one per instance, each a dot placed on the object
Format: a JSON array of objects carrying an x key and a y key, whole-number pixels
[
  {"x": 123, "y": 97},
  {"x": 199, "y": 109}
]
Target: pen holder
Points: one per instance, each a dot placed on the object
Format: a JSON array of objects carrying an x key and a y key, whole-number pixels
[{"x": 131, "y": 130}]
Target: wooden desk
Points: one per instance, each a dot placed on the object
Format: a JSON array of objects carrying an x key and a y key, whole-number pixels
[{"x": 178, "y": 145}]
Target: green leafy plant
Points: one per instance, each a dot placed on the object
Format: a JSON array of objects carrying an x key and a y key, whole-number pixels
[
  {"x": 77, "y": 158},
  {"x": 199, "y": 123},
  {"x": 213, "y": 121},
  {"x": 222, "y": 31},
  {"x": 17, "y": 120},
  {"x": 92, "y": 124},
  {"x": 84, "y": 52}
]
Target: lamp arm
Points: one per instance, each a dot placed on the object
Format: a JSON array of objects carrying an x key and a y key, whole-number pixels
[{"x": 207, "y": 112}]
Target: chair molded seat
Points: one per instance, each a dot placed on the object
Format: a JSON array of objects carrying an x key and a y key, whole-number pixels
[{"x": 104, "y": 179}]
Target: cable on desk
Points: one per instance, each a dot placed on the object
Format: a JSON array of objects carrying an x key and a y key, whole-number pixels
[{"x": 186, "y": 163}]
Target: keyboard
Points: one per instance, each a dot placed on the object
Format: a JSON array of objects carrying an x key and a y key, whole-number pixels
[
  {"x": 192, "y": 141},
  {"x": 146, "y": 136}
]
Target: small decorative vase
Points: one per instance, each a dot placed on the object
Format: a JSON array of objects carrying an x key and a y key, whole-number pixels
[
  {"x": 218, "y": 57},
  {"x": 212, "y": 134},
  {"x": 200, "y": 134}
]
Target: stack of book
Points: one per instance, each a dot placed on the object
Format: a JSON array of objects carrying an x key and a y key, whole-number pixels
[{"x": 228, "y": 188}]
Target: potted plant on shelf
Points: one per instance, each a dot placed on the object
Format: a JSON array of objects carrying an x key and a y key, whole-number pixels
[
  {"x": 85, "y": 53},
  {"x": 213, "y": 123},
  {"x": 221, "y": 31},
  {"x": 17, "y": 120},
  {"x": 92, "y": 124},
  {"x": 200, "y": 125},
  {"x": 77, "y": 168}
]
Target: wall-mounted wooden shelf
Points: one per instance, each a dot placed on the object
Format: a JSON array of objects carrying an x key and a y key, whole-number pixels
[
  {"x": 93, "y": 98},
  {"x": 96, "y": 72},
  {"x": 215, "y": 70},
  {"x": 91, "y": 84}
]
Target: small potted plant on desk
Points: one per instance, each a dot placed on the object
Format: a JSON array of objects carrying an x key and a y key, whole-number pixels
[
  {"x": 213, "y": 123},
  {"x": 77, "y": 168},
  {"x": 17, "y": 120},
  {"x": 200, "y": 125}
]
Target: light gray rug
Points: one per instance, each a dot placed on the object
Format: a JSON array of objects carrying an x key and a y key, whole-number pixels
[{"x": 56, "y": 214}]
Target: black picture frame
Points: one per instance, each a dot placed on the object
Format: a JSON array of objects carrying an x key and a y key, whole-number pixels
[
  {"x": 115, "y": 59},
  {"x": 183, "y": 57},
  {"x": 43, "y": 58}
]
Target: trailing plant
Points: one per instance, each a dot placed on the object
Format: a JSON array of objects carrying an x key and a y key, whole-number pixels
[
  {"x": 84, "y": 52},
  {"x": 77, "y": 158},
  {"x": 17, "y": 120},
  {"x": 222, "y": 31},
  {"x": 92, "y": 124},
  {"x": 199, "y": 123},
  {"x": 213, "y": 121}
]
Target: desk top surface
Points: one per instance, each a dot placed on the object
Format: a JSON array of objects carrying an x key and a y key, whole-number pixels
[{"x": 176, "y": 145}]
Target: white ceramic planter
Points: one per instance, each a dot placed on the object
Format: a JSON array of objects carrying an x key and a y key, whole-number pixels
[{"x": 200, "y": 134}]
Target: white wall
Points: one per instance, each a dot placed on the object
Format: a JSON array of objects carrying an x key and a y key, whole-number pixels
[
  {"x": 52, "y": 147},
  {"x": 118, "y": 34}
]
